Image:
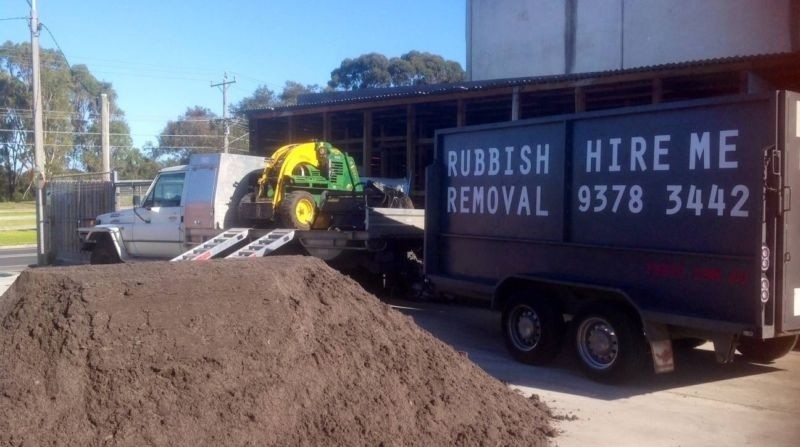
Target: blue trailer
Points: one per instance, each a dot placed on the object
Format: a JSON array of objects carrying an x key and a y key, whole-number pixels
[{"x": 624, "y": 231}]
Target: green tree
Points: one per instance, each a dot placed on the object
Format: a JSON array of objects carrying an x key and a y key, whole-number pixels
[
  {"x": 292, "y": 89},
  {"x": 71, "y": 111},
  {"x": 17, "y": 141},
  {"x": 262, "y": 98},
  {"x": 198, "y": 130},
  {"x": 426, "y": 68},
  {"x": 365, "y": 71},
  {"x": 85, "y": 98},
  {"x": 91, "y": 151},
  {"x": 16, "y": 156},
  {"x": 131, "y": 164},
  {"x": 413, "y": 68}
]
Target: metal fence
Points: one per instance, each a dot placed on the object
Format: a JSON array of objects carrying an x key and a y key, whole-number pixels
[{"x": 73, "y": 201}]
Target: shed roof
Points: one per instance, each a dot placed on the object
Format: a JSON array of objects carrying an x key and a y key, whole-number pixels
[{"x": 380, "y": 94}]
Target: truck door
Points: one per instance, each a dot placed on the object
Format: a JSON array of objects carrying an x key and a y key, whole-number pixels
[
  {"x": 790, "y": 203},
  {"x": 159, "y": 232}
]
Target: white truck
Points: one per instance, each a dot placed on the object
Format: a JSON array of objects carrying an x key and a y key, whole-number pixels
[
  {"x": 198, "y": 211},
  {"x": 184, "y": 206}
]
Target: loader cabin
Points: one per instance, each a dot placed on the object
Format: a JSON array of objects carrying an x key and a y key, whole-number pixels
[{"x": 390, "y": 131}]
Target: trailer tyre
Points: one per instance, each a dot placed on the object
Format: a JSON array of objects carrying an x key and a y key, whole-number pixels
[
  {"x": 104, "y": 253},
  {"x": 609, "y": 344},
  {"x": 297, "y": 210},
  {"x": 532, "y": 329},
  {"x": 765, "y": 351}
]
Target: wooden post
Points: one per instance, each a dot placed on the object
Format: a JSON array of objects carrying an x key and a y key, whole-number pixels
[
  {"x": 38, "y": 140},
  {"x": 411, "y": 142},
  {"x": 367, "y": 147},
  {"x": 580, "y": 100},
  {"x": 290, "y": 130},
  {"x": 461, "y": 113},
  {"x": 326, "y": 126},
  {"x": 384, "y": 153},
  {"x": 658, "y": 90},
  {"x": 105, "y": 138},
  {"x": 515, "y": 104}
]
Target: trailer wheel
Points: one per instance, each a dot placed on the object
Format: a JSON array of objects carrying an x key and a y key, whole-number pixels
[
  {"x": 533, "y": 329},
  {"x": 765, "y": 351},
  {"x": 104, "y": 253},
  {"x": 297, "y": 210},
  {"x": 609, "y": 344}
]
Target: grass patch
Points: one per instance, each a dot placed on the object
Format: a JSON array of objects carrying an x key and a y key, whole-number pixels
[
  {"x": 18, "y": 206},
  {"x": 18, "y": 224},
  {"x": 17, "y": 216},
  {"x": 15, "y": 213},
  {"x": 17, "y": 237}
]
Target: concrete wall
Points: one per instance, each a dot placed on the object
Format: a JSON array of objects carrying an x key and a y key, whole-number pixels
[
  {"x": 691, "y": 29},
  {"x": 502, "y": 33},
  {"x": 513, "y": 38},
  {"x": 598, "y": 36}
]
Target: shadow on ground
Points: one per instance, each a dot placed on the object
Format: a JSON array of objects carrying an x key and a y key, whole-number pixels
[{"x": 476, "y": 332}]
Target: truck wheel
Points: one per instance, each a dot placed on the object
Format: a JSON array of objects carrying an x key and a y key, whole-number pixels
[
  {"x": 297, "y": 210},
  {"x": 609, "y": 344},
  {"x": 244, "y": 192},
  {"x": 239, "y": 220},
  {"x": 104, "y": 253},
  {"x": 532, "y": 329},
  {"x": 765, "y": 351}
]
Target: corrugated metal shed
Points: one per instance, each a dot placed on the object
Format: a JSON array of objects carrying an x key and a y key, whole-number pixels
[
  {"x": 390, "y": 131},
  {"x": 379, "y": 94}
]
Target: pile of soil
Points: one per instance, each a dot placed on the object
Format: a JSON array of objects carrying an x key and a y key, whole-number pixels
[{"x": 275, "y": 351}]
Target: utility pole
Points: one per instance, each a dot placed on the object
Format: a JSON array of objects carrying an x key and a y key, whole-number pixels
[
  {"x": 224, "y": 87},
  {"x": 38, "y": 138},
  {"x": 105, "y": 136}
]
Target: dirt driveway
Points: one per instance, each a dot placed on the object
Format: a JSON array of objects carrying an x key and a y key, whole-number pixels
[{"x": 701, "y": 404}]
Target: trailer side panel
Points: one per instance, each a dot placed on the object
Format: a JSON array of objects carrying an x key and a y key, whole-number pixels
[{"x": 664, "y": 202}]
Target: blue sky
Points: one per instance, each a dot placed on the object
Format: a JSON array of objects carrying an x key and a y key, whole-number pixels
[{"x": 162, "y": 55}]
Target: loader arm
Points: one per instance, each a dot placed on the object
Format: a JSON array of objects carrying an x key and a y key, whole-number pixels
[{"x": 282, "y": 165}]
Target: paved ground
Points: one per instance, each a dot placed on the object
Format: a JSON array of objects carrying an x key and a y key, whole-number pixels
[
  {"x": 12, "y": 261},
  {"x": 701, "y": 404},
  {"x": 16, "y": 259},
  {"x": 6, "y": 279}
]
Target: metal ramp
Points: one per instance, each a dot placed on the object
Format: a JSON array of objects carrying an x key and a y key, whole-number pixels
[
  {"x": 215, "y": 245},
  {"x": 264, "y": 245}
]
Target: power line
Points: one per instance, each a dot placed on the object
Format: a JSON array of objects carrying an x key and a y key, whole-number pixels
[
  {"x": 14, "y": 18},
  {"x": 57, "y": 45},
  {"x": 69, "y": 132},
  {"x": 128, "y": 147},
  {"x": 140, "y": 75},
  {"x": 256, "y": 80},
  {"x": 138, "y": 65},
  {"x": 28, "y": 113},
  {"x": 69, "y": 66},
  {"x": 8, "y": 111}
]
